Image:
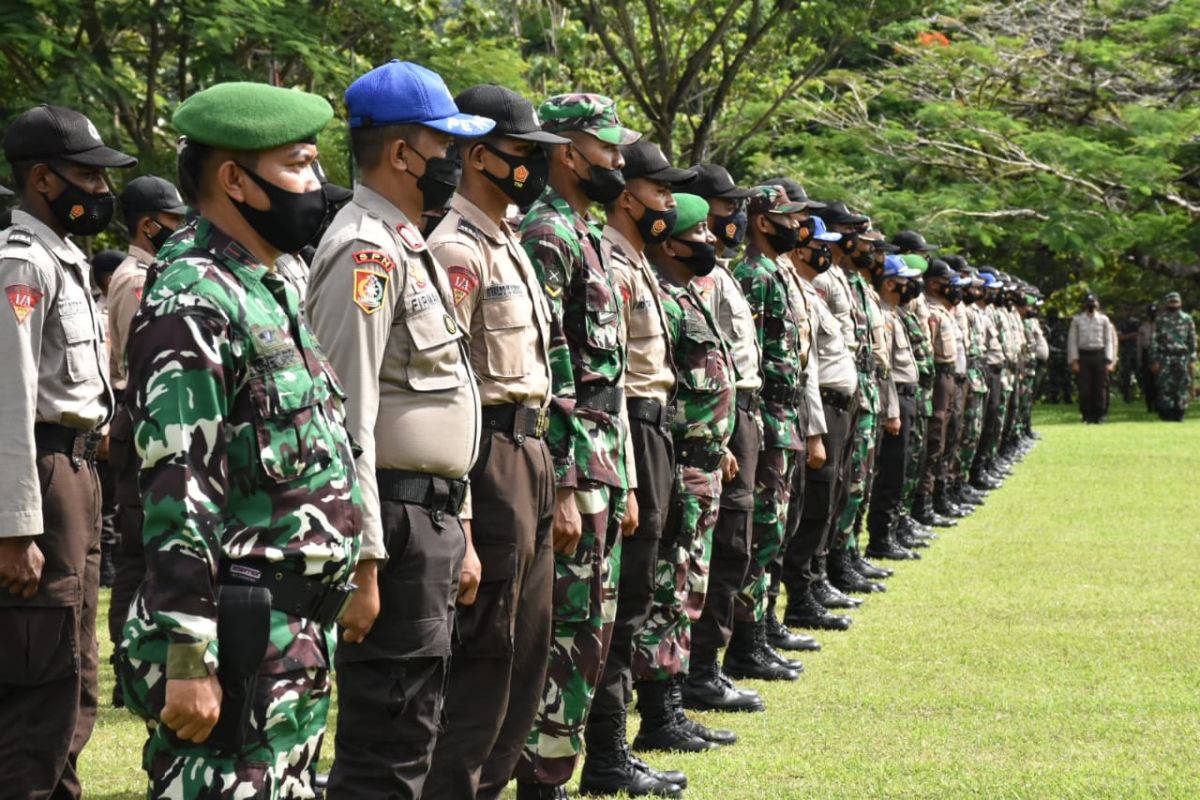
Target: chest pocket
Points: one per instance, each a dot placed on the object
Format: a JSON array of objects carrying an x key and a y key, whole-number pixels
[
  {"x": 703, "y": 363},
  {"x": 506, "y": 320},
  {"x": 291, "y": 428},
  {"x": 435, "y": 362},
  {"x": 79, "y": 336},
  {"x": 602, "y": 313},
  {"x": 644, "y": 319}
]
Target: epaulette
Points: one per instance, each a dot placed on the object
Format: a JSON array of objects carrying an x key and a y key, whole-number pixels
[
  {"x": 18, "y": 235},
  {"x": 470, "y": 229}
]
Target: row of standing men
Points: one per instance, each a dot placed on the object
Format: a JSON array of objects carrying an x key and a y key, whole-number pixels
[{"x": 523, "y": 473}]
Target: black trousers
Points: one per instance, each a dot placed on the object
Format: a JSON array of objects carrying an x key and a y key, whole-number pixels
[
  {"x": 824, "y": 497},
  {"x": 501, "y": 642},
  {"x": 48, "y": 648},
  {"x": 1093, "y": 385},
  {"x": 993, "y": 417},
  {"x": 654, "y": 456},
  {"x": 892, "y": 453},
  {"x": 731, "y": 544},
  {"x": 391, "y": 685}
]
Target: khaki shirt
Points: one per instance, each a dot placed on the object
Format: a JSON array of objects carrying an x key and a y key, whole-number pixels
[
  {"x": 650, "y": 373},
  {"x": 945, "y": 334},
  {"x": 736, "y": 320},
  {"x": 961, "y": 336},
  {"x": 834, "y": 288},
  {"x": 52, "y": 347},
  {"x": 124, "y": 296},
  {"x": 498, "y": 302},
  {"x": 989, "y": 335},
  {"x": 904, "y": 365},
  {"x": 805, "y": 314},
  {"x": 380, "y": 305},
  {"x": 835, "y": 362},
  {"x": 1014, "y": 336}
]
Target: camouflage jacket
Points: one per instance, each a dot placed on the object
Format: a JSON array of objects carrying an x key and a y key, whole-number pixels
[
  {"x": 239, "y": 424},
  {"x": 871, "y": 323},
  {"x": 1174, "y": 336},
  {"x": 975, "y": 350},
  {"x": 778, "y": 340},
  {"x": 587, "y": 344},
  {"x": 704, "y": 394}
]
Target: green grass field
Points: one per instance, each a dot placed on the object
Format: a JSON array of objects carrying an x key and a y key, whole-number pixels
[{"x": 1047, "y": 647}]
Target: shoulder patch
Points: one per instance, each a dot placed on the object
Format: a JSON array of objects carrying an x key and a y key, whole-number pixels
[
  {"x": 370, "y": 287},
  {"x": 19, "y": 236},
  {"x": 23, "y": 298},
  {"x": 464, "y": 226},
  {"x": 411, "y": 237},
  {"x": 377, "y": 257},
  {"x": 462, "y": 282}
]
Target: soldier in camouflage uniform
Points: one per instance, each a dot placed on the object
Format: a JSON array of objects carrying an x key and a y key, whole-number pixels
[
  {"x": 588, "y": 434},
  {"x": 992, "y": 366},
  {"x": 976, "y": 387},
  {"x": 239, "y": 423},
  {"x": 1173, "y": 358},
  {"x": 701, "y": 427}
]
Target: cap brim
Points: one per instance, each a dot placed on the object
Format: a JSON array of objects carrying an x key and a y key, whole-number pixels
[
  {"x": 672, "y": 175},
  {"x": 928, "y": 248},
  {"x": 813, "y": 204},
  {"x": 790, "y": 208},
  {"x": 466, "y": 125},
  {"x": 885, "y": 247},
  {"x": 180, "y": 210},
  {"x": 619, "y": 136},
  {"x": 828, "y": 236},
  {"x": 100, "y": 157},
  {"x": 541, "y": 137},
  {"x": 335, "y": 193},
  {"x": 735, "y": 194}
]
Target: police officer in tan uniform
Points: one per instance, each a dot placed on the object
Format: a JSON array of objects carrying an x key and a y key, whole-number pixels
[
  {"x": 503, "y": 639},
  {"x": 382, "y": 307},
  {"x": 55, "y": 397}
]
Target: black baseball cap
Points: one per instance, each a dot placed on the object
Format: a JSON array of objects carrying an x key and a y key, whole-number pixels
[
  {"x": 956, "y": 262},
  {"x": 150, "y": 193},
  {"x": 334, "y": 193},
  {"x": 106, "y": 261},
  {"x": 838, "y": 213},
  {"x": 713, "y": 180},
  {"x": 55, "y": 132},
  {"x": 796, "y": 194},
  {"x": 514, "y": 115},
  {"x": 645, "y": 159},
  {"x": 913, "y": 242}
]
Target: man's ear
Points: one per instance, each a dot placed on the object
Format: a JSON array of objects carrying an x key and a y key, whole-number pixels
[
  {"x": 474, "y": 155},
  {"x": 41, "y": 178},
  {"x": 231, "y": 179},
  {"x": 397, "y": 152}
]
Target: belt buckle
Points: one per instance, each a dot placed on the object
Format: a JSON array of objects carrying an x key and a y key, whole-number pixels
[
  {"x": 457, "y": 496},
  {"x": 335, "y": 602}
]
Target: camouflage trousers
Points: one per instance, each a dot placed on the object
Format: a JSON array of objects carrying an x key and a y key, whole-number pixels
[
  {"x": 287, "y": 724},
  {"x": 1025, "y": 402},
  {"x": 1174, "y": 383},
  {"x": 972, "y": 423},
  {"x": 858, "y": 487},
  {"x": 772, "y": 493},
  {"x": 662, "y": 648},
  {"x": 585, "y": 606},
  {"x": 913, "y": 466},
  {"x": 1004, "y": 411}
]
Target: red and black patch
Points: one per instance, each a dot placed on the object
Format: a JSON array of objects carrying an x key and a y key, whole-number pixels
[
  {"x": 23, "y": 298},
  {"x": 377, "y": 257},
  {"x": 462, "y": 283}
]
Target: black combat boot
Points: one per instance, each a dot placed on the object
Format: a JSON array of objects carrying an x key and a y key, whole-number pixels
[
  {"x": 781, "y": 638},
  {"x": 943, "y": 506},
  {"x": 846, "y": 578},
  {"x": 983, "y": 482},
  {"x": 743, "y": 659},
  {"x": 924, "y": 513},
  {"x": 662, "y": 776},
  {"x": 715, "y": 735},
  {"x": 540, "y": 791},
  {"x": 608, "y": 768},
  {"x": 659, "y": 730},
  {"x": 108, "y": 569},
  {"x": 908, "y": 543},
  {"x": 869, "y": 570},
  {"x": 803, "y": 611},
  {"x": 885, "y": 545},
  {"x": 706, "y": 688},
  {"x": 826, "y": 595},
  {"x": 770, "y": 654}
]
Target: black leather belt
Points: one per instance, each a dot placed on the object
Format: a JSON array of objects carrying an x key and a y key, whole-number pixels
[
  {"x": 747, "y": 400},
  {"x": 650, "y": 411},
  {"x": 782, "y": 393},
  {"x": 944, "y": 369},
  {"x": 80, "y": 445},
  {"x": 599, "y": 397},
  {"x": 906, "y": 389},
  {"x": 995, "y": 369},
  {"x": 960, "y": 378},
  {"x": 698, "y": 455},
  {"x": 519, "y": 420},
  {"x": 836, "y": 399},
  {"x": 441, "y": 495},
  {"x": 291, "y": 593}
]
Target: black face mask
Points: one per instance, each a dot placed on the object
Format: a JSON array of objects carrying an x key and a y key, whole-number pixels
[
  {"x": 527, "y": 175},
  {"x": 864, "y": 260},
  {"x": 439, "y": 181},
  {"x": 602, "y": 185},
  {"x": 160, "y": 236},
  {"x": 81, "y": 212},
  {"x": 731, "y": 228},
  {"x": 953, "y": 294},
  {"x": 655, "y": 226},
  {"x": 820, "y": 259},
  {"x": 783, "y": 240},
  {"x": 911, "y": 290},
  {"x": 701, "y": 261},
  {"x": 1089, "y": 306},
  {"x": 293, "y": 218}
]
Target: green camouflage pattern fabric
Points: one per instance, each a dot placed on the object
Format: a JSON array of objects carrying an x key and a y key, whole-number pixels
[
  {"x": 584, "y": 609},
  {"x": 592, "y": 113},
  {"x": 862, "y": 450},
  {"x": 778, "y": 329},
  {"x": 703, "y": 414},
  {"x": 1174, "y": 348},
  {"x": 587, "y": 343},
  {"x": 239, "y": 424},
  {"x": 976, "y": 401},
  {"x": 772, "y": 494},
  {"x": 923, "y": 357}
]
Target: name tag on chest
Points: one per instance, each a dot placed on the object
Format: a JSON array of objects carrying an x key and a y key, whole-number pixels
[{"x": 501, "y": 291}]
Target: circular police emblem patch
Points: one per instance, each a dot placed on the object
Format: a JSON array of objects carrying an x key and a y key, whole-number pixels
[{"x": 450, "y": 326}]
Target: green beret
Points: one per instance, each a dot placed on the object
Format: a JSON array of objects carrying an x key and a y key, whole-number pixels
[
  {"x": 916, "y": 262},
  {"x": 251, "y": 116},
  {"x": 690, "y": 211}
]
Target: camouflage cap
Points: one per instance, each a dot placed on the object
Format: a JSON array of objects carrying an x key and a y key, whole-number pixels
[
  {"x": 772, "y": 200},
  {"x": 591, "y": 113},
  {"x": 1172, "y": 296}
]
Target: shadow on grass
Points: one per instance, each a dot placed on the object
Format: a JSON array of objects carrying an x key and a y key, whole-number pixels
[{"x": 1118, "y": 411}]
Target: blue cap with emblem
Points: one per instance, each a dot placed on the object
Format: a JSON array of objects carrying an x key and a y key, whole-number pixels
[
  {"x": 897, "y": 267},
  {"x": 404, "y": 93},
  {"x": 823, "y": 234}
]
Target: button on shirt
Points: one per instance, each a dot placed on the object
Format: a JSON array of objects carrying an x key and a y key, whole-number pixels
[
  {"x": 380, "y": 304},
  {"x": 52, "y": 346},
  {"x": 498, "y": 302},
  {"x": 1090, "y": 332},
  {"x": 649, "y": 373}
]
